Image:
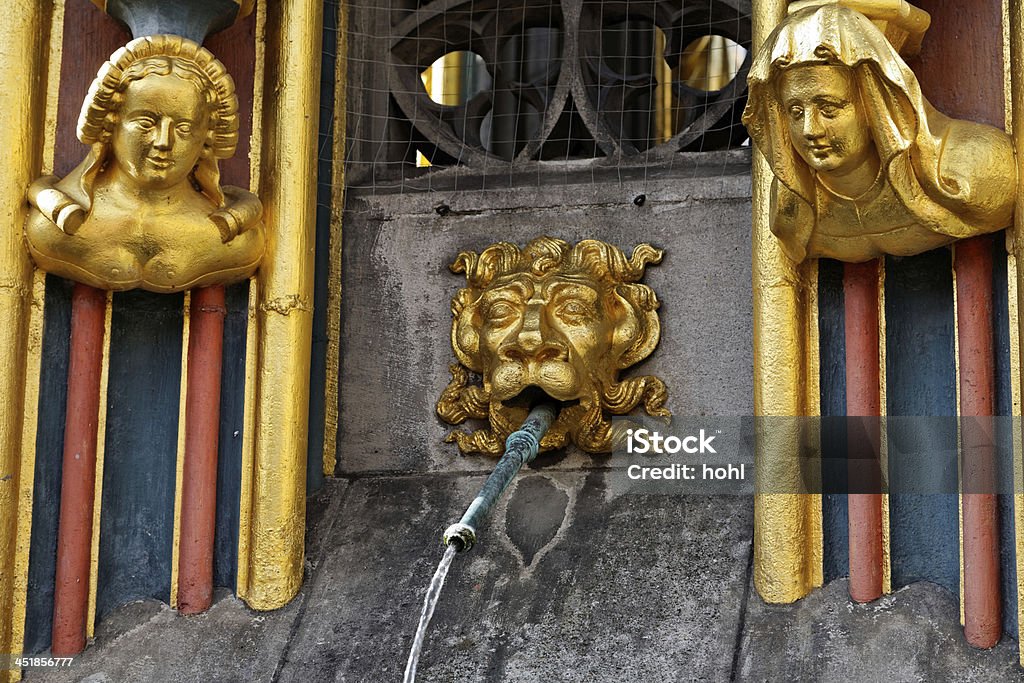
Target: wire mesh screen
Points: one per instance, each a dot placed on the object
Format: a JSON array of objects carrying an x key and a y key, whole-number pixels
[{"x": 493, "y": 86}]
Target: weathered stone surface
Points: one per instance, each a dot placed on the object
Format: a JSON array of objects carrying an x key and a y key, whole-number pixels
[
  {"x": 396, "y": 319},
  {"x": 573, "y": 580},
  {"x": 912, "y": 635},
  {"x": 627, "y": 588},
  {"x": 148, "y": 641}
]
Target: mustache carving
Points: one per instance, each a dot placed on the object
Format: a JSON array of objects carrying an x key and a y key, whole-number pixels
[
  {"x": 584, "y": 423},
  {"x": 558, "y": 379}
]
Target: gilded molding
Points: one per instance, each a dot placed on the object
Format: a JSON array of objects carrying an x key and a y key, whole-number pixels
[
  {"x": 179, "y": 467},
  {"x": 959, "y": 442},
  {"x": 245, "y": 511},
  {"x": 288, "y": 155},
  {"x": 883, "y": 441},
  {"x": 1013, "y": 18},
  {"x": 28, "y": 457},
  {"x": 332, "y": 369},
  {"x": 24, "y": 48},
  {"x": 787, "y": 526}
]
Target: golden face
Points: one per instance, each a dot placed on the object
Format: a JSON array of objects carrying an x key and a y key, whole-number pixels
[
  {"x": 821, "y": 105},
  {"x": 555, "y": 321},
  {"x": 163, "y": 125},
  {"x": 549, "y": 332}
]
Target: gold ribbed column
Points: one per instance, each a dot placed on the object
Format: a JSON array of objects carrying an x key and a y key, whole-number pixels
[
  {"x": 24, "y": 48},
  {"x": 787, "y": 525},
  {"x": 284, "y": 306}
]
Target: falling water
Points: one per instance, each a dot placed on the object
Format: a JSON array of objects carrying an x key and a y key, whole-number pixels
[{"x": 429, "y": 603}]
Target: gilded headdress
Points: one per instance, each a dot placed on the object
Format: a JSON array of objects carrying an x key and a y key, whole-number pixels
[
  {"x": 162, "y": 55},
  {"x": 951, "y": 175}
]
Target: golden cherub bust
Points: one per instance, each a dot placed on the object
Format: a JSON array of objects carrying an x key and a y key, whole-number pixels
[
  {"x": 863, "y": 164},
  {"x": 146, "y": 208},
  {"x": 557, "y": 320}
]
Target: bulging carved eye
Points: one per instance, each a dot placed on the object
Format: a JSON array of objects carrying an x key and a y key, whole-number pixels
[
  {"x": 796, "y": 112},
  {"x": 184, "y": 128},
  {"x": 574, "y": 312},
  {"x": 830, "y": 111},
  {"x": 145, "y": 123},
  {"x": 501, "y": 312}
]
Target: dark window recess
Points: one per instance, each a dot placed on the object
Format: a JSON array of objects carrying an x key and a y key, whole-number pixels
[{"x": 494, "y": 85}]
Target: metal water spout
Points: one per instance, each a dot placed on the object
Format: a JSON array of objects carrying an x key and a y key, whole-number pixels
[{"x": 521, "y": 447}]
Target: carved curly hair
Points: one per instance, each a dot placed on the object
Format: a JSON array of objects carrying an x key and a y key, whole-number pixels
[{"x": 163, "y": 55}]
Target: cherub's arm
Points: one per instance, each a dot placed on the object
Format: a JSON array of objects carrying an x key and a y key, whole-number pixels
[
  {"x": 241, "y": 211},
  {"x": 58, "y": 207}
]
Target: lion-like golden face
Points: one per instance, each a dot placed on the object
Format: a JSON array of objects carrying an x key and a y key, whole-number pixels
[
  {"x": 551, "y": 321},
  {"x": 542, "y": 332}
]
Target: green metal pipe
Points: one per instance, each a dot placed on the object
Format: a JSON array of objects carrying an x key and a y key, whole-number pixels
[{"x": 521, "y": 447}]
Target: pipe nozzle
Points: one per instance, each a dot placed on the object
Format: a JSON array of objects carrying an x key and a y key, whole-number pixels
[{"x": 462, "y": 536}]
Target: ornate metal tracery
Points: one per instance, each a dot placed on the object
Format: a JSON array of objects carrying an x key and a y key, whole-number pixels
[{"x": 543, "y": 79}]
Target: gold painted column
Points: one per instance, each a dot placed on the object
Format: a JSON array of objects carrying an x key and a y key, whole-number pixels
[
  {"x": 274, "y": 502},
  {"x": 787, "y": 525},
  {"x": 23, "y": 58}
]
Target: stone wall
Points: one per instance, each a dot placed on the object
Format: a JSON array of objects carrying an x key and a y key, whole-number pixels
[{"x": 397, "y": 290}]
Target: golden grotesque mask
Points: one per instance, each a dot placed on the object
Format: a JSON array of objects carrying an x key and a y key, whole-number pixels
[
  {"x": 146, "y": 208},
  {"x": 557, "y": 321},
  {"x": 863, "y": 164}
]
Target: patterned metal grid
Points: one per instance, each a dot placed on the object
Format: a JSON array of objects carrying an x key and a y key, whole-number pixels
[{"x": 498, "y": 85}]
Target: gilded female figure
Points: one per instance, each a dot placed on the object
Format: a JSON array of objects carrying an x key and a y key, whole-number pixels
[
  {"x": 863, "y": 164},
  {"x": 146, "y": 208}
]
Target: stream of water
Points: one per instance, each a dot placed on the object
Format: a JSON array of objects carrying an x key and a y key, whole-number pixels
[{"x": 429, "y": 603}]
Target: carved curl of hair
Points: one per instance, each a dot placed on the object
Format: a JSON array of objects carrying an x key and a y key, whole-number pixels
[
  {"x": 604, "y": 262},
  {"x": 163, "y": 55}
]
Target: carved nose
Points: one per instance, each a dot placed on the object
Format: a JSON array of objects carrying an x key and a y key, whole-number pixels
[
  {"x": 536, "y": 352},
  {"x": 163, "y": 137},
  {"x": 534, "y": 339},
  {"x": 812, "y": 126}
]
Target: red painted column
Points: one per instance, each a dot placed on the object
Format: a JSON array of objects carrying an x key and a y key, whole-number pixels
[
  {"x": 78, "y": 478},
  {"x": 202, "y": 422},
  {"x": 968, "y": 84},
  {"x": 982, "y": 609},
  {"x": 860, "y": 290},
  {"x": 236, "y": 48}
]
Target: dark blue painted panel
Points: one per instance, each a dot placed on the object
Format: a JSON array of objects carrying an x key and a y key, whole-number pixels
[
  {"x": 137, "y": 525},
  {"x": 1004, "y": 406},
  {"x": 229, "y": 452},
  {"x": 42, "y": 564},
  {"x": 325, "y": 158},
  {"x": 921, "y": 381},
  {"x": 832, "y": 351}
]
